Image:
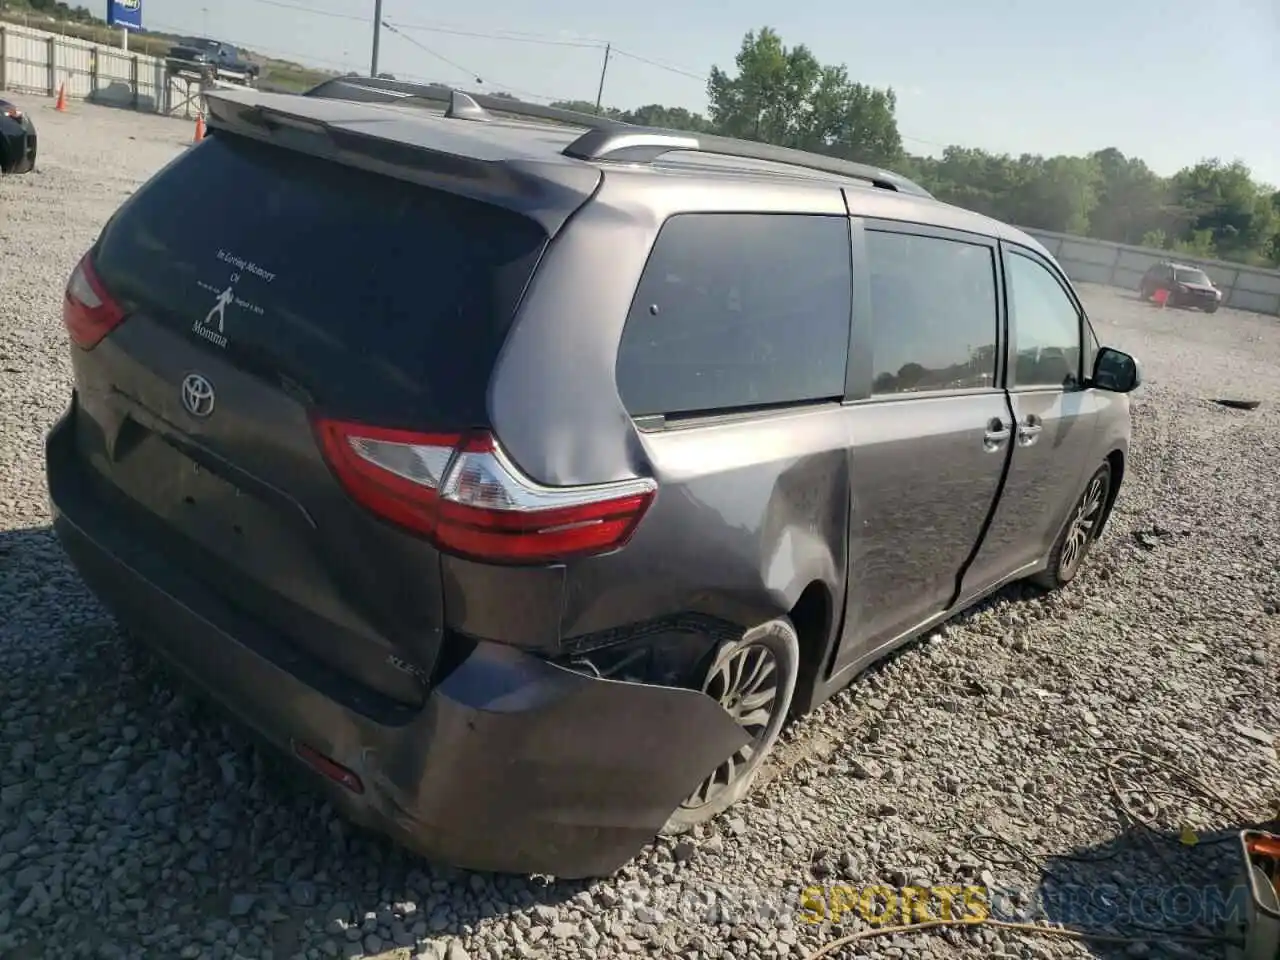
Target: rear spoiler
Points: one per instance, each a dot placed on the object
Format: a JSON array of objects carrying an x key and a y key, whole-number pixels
[
  {"x": 605, "y": 138},
  {"x": 363, "y": 136}
]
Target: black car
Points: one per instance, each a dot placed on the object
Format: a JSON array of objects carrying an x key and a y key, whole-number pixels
[
  {"x": 17, "y": 139},
  {"x": 1187, "y": 286}
]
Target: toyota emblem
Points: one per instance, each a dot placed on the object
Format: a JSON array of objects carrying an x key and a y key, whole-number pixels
[{"x": 197, "y": 395}]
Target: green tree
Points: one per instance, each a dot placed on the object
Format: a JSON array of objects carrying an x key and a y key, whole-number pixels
[
  {"x": 785, "y": 96},
  {"x": 1132, "y": 199},
  {"x": 586, "y": 106},
  {"x": 1224, "y": 200},
  {"x": 670, "y": 118},
  {"x": 1057, "y": 193},
  {"x": 973, "y": 179},
  {"x": 1198, "y": 244}
]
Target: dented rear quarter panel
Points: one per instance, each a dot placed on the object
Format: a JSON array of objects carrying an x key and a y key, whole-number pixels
[{"x": 750, "y": 509}]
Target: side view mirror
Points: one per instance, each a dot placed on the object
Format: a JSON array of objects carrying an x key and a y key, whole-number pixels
[{"x": 1115, "y": 371}]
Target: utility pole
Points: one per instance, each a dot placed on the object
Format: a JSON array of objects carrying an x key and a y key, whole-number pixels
[
  {"x": 603, "y": 70},
  {"x": 377, "y": 34}
]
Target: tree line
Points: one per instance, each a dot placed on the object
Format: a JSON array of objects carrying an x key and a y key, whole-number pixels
[
  {"x": 50, "y": 8},
  {"x": 784, "y": 95}
]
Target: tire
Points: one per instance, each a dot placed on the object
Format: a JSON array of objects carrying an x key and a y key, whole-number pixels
[
  {"x": 1078, "y": 533},
  {"x": 1212, "y": 309},
  {"x": 773, "y": 643}
]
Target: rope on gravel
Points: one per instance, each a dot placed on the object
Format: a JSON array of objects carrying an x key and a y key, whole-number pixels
[
  {"x": 1039, "y": 929},
  {"x": 1196, "y": 792}
]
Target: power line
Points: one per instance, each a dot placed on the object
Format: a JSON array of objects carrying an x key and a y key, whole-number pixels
[
  {"x": 285, "y": 5},
  {"x": 671, "y": 68},
  {"x": 301, "y": 8},
  {"x": 514, "y": 36},
  {"x": 555, "y": 39},
  {"x": 701, "y": 78},
  {"x": 457, "y": 66},
  {"x": 427, "y": 50},
  {"x": 511, "y": 38},
  {"x": 299, "y": 59}
]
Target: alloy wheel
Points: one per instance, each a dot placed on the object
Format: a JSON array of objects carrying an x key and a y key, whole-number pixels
[
  {"x": 745, "y": 681},
  {"x": 1084, "y": 524}
]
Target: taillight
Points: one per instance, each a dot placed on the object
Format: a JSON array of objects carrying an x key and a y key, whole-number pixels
[
  {"x": 88, "y": 310},
  {"x": 466, "y": 496},
  {"x": 488, "y": 509},
  {"x": 394, "y": 473}
]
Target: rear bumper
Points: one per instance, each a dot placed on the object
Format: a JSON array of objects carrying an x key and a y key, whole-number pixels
[
  {"x": 1194, "y": 298},
  {"x": 514, "y": 764}
]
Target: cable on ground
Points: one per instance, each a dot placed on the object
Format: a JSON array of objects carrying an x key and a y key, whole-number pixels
[
  {"x": 1195, "y": 792},
  {"x": 1040, "y": 929}
]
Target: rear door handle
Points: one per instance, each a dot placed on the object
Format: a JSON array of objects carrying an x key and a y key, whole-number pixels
[{"x": 996, "y": 435}]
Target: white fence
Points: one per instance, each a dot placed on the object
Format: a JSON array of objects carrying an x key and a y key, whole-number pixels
[
  {"x": 1120, "y": 265},
  {"x": 37, "y": 61}
]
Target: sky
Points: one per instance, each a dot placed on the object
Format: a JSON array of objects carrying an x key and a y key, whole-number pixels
[{"x": 1170, "y": 81}]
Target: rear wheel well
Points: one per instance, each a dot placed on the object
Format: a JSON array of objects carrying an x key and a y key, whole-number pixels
[
  {"x": 811, "y": 616},
  {"x": 1115, "y": 459}
]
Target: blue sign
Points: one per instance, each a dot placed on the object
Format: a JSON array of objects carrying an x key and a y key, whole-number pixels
[{"x": 125, "y": 13}]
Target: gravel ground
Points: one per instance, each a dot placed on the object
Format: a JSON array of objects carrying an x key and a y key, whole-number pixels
[{"x": 135, "y": 823}]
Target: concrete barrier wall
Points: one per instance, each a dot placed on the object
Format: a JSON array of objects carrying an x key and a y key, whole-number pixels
[
  {"x": 39, "y": 62},
  {"x": 1120, "y": 265}
]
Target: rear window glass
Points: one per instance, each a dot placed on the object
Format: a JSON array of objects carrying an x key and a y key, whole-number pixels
[
  {"x": 736, "y": 311},
  {"x": 382, "y": 299}
]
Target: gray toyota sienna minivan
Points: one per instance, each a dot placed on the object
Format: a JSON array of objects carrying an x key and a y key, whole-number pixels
[{"x": 521, "y": 472}]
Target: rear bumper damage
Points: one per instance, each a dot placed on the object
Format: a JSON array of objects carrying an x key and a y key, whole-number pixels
[{"x": 514, "y": 764}]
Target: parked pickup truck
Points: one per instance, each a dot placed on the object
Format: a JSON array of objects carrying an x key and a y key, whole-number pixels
[{"x": 197, "y": 55}]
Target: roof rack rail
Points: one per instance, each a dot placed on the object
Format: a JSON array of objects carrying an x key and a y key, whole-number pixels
[
  {"x": 644, "y": 145},
  {"x": 606, "y": 138}
]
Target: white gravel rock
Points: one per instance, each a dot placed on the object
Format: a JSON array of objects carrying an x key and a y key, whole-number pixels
[{"x": 134, "y": 822}]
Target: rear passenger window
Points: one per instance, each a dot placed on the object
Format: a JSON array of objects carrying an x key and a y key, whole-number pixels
[
  {"x": 736, "y": 311},
  {"x": 933, "y": 310}
]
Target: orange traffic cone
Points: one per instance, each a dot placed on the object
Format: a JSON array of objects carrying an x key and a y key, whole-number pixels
[
  {"x": 1162, "y": 298},
  {"x": 61, "y": 105},
  {"x": 199, "y": 128}
]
